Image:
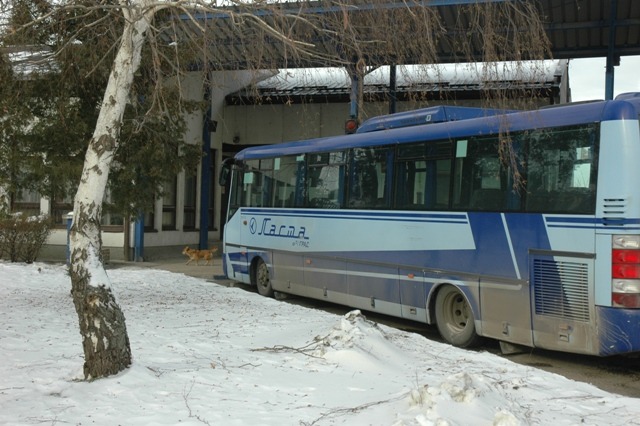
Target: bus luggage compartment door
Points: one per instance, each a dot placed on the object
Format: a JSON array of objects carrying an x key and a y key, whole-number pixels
[
  {"x": 413, "y": 294},
  {"x": 506, "y": 310},
  {"x": 288, "y": 276},
  {"x": 324, "y": 278},
  {"x": 374, "y": 288}
]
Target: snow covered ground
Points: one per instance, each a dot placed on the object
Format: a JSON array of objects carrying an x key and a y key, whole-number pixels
[{"x": 208, "y": 354}]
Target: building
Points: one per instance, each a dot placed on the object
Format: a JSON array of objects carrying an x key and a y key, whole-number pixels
[{"x": 266, "y": 107}]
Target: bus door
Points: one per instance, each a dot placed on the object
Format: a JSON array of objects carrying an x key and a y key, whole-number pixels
[
  {"x": 246, "y": 226},
  {"x": 234, "y": 260},
  {"x": 288, "y": 255}
]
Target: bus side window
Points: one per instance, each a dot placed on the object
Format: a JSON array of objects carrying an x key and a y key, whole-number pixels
[
  {"x": 325, "y": 180},
  {"x": 423, "y": 176},
  {"x": 258, "y": 183},
  {"x": 367, "y": 178},
  {"x": 413, "y": 184},
  {"x": 561, "y": 170},
  {"x": 487, "y": 193},
  {"x": 482, "y": 182},
  {"x": 284, "y": 179}
]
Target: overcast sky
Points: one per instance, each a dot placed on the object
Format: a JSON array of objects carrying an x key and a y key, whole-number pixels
[{"x": 587, "y": 77}]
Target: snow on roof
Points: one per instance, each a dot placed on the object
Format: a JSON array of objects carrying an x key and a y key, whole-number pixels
[{"x": 463, "y": 76}]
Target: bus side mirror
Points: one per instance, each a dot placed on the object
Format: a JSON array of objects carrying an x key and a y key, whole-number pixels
[
  {"x": 225, "y": 171},
  {"x": 223, "y": 178}
]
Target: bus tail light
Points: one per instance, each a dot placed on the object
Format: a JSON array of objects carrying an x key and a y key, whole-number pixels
[{"x": 625, "y": 271}]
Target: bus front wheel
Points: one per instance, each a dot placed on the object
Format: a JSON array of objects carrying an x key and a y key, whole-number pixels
[
  {"x": 454, "y": 318},
  {"x": 262, "y": 280}
]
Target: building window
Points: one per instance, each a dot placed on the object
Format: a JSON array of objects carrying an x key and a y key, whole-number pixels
[
  {"x": 190, "y": 191},
  {"x": 169, "y": 205},
  {"x": 60, "y": 208},
  {"x": 110, "y": 217},
  {"x": 26, "y": 202},
  {"x": 149, "y": 221}
]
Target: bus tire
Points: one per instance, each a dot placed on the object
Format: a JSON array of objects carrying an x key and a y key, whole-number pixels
[
  {"x": 454, "y": 318},
  {"x": 262, "y": 280}
]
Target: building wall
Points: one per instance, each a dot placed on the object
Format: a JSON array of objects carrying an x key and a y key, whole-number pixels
[
  {"x": 269, "y": 124},
  {"x": 159, "y": 242}
]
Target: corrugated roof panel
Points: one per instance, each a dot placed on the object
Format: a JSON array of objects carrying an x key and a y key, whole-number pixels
[{"x": 575, "y": 28}]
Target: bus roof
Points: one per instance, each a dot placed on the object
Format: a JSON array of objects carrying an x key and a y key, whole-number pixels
[
  {"x": 625, "y": 107},
  {"x": 431, "y": 115}
]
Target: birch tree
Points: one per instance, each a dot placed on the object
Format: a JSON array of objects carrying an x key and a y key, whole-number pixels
[
  {"x": 351, "y": 34},
  {"x": 102, "y": 324}
]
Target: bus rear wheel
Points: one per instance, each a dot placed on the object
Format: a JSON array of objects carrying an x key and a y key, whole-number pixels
[
  {"x": 262, "y": 280},
  {"x": 454, "y": 318}
]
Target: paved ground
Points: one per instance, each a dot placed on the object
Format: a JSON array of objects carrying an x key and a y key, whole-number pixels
[{"x": 212, "y": 272}]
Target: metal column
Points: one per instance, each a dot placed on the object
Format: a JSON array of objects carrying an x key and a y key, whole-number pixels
[
  {"x": 612, "y": 60},
  {"x": 393, "y": 96}
]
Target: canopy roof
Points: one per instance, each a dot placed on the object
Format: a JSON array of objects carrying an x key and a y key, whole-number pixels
[{"x": 575, "y": 28}]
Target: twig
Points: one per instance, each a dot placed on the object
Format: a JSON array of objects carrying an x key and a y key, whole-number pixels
[
  {"x": 304, "y": 350},
  {"x": 185, "y": 396},
  {"x": 345, "y": 411}
]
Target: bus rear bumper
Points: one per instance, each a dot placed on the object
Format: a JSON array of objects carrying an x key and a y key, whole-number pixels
[{"x": 618, "y": 330}]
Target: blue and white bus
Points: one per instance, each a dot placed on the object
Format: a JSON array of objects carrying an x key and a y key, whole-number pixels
[{"x": 517, "y": 226}]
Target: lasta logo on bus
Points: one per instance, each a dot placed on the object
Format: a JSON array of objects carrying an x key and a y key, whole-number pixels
[{"x": 269, "y": 228}]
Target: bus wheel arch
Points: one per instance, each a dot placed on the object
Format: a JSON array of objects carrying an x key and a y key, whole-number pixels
[
  {"x": 260, "y": 277},
  {"x": 454, "y": 317}
]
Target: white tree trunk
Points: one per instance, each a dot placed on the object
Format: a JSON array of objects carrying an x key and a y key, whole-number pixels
[
  {"x": 5, "y": 204},
  {"x": 102, "y": 324}
]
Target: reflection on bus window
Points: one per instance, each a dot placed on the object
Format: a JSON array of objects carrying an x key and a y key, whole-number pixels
[
  {"x": 556, "y": 168},
  {"x": 258, "y": 183},
  {"x": 561, "y": 171},
  {"x": 483, "y": 181},
  {"x": 325, "y": 181},
  {"x": 285, "y": 181},
  {"x": 368, "y": 180}
]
